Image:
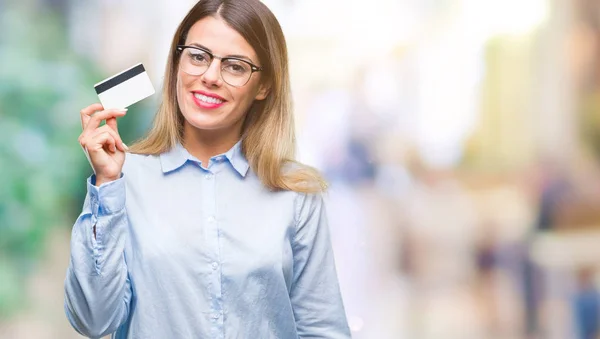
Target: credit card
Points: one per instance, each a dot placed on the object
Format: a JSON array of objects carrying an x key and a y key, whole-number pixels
[{"x": 125, "y": 89}]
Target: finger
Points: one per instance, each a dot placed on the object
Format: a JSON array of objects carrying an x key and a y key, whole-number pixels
[
  {"x": 95, "y": 120},
  {"x": 112, "y": 123},
  {"x": 89, "y": 132},
  {"x": 94, "y": 141},
  {"x": 103, "y": 140},
  {"x": 119, "y": 142},
  {"x": 86, "y": 113}
]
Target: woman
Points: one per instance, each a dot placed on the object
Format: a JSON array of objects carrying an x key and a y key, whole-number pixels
[{"x": 207, "y": 228}]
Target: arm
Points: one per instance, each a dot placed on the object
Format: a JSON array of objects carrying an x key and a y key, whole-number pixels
[
  {"x": 315, "y": 292},
  {"x": 97, "y": 286}
]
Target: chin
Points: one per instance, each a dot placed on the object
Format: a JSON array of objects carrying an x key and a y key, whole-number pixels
[{"x": 207, "y": 123}]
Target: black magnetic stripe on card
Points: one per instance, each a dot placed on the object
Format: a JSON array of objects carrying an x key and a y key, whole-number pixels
[{"x": 119, "y": 79}]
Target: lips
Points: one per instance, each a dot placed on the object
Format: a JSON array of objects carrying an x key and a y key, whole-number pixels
[{"x": 207, "y": 100}]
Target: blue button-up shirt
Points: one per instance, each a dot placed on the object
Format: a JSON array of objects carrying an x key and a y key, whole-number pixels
[{"x": 190, "y": 251}]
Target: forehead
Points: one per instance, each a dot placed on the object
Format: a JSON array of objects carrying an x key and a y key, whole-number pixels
[{"x": 220, "y": 38}]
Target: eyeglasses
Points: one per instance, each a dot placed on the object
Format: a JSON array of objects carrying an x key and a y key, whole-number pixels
[{"x": 234, "y": 71}]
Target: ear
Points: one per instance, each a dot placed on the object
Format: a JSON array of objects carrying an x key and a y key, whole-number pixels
[{"x": 263, "y": 91}]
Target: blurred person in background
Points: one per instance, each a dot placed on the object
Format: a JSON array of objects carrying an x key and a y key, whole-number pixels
[
  {"x": 222, "y": 233},
  {"x": 586, "y": 305},
  {"x": 553, "y": 188},
  {"x": 486, "y": 263}
]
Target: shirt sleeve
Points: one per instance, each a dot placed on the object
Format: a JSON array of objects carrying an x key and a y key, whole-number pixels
[
  {"x": 97, "y": 286},
  {"x": 315, "y": 292}
]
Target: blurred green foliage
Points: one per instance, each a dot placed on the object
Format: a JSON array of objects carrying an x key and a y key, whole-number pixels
[{"x": 43, "y": 86}]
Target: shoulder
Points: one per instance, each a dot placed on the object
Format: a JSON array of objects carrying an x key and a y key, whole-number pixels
[{"x": 306, "y": 206}]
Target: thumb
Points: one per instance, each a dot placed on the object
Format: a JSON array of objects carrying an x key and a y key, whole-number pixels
[{"x": 112, "y": 123}]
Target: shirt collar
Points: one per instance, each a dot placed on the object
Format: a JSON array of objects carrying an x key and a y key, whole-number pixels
[
  {"x": 174, "y": 158},
  {"x": 237, "y": 159},
  {"x": 178, "y": 156}
]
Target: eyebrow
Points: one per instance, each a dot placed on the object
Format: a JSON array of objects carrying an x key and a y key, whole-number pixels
[{"x": 237, "y": 56}]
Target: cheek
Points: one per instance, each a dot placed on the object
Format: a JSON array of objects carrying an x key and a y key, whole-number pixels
[
  {"x": 180, "y": 92},
  {"x": 184, "y": 82},
  {"x": 183, "y": 87},
  {"x": 244, "y": 95},
  {"x": 243, "y": 103}
]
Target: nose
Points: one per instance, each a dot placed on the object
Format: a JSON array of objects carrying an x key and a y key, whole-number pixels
[{"x": 212, "y": 76}]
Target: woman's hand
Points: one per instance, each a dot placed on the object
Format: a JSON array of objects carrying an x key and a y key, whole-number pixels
[{"x": 103, "y": 145}]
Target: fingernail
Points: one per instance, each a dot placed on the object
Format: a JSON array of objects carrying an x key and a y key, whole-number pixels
[
  {"x": 125, "y": 146},
  {"x": 122, "y": 110}
]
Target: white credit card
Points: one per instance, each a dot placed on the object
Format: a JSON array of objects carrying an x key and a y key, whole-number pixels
[{"x": 125, "y": 89}]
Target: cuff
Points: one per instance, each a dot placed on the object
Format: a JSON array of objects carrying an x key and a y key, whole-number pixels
[{"x": 108, "y": 198}]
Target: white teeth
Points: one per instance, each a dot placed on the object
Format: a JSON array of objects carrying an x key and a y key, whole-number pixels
[{"x": 207, "y": 99}]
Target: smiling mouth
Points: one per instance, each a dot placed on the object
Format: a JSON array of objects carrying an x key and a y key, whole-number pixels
[{"x": 207, "y": 99}]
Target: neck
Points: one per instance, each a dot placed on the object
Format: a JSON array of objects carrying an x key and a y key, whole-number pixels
[{"x": 205, "y": 144}]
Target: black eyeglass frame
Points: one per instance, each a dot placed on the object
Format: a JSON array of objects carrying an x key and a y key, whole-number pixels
[{"x": 253, "y": 67}]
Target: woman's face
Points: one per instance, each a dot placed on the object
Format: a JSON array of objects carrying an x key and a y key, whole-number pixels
[{"x": 206, "y": 101}]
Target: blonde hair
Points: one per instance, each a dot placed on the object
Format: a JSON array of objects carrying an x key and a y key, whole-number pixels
[{"x": 268, "y": 137}]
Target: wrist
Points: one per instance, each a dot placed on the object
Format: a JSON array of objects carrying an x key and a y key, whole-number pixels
[{"x": 105, "y": 179}]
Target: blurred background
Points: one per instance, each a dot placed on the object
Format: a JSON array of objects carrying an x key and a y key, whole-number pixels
[{"x": 461, "y": 139}]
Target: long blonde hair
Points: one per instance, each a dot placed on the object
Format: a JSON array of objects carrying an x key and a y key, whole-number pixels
[{"x": 268, "y": 137}]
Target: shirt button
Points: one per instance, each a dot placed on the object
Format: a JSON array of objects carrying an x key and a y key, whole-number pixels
[
  {"x": 215, "y": 265},
  {"x": 216, "y": 315},
  {"x": 211, "y": 219},
  {"x": 208, "y": 176}
]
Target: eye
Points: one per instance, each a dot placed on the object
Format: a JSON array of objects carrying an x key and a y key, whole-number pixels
[
  {"x": 235, "y": 66},
  {"x": 199, "y": 57}
]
